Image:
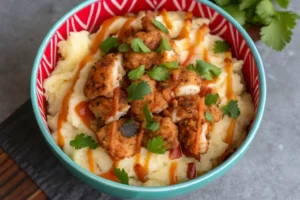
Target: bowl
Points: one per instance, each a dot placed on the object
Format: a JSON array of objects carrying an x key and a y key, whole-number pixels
[{"x": 88, "y": 16}]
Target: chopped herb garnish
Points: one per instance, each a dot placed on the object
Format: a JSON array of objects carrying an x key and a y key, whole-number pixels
[
  {"x": 221, "y": 46},
  {"x": 123, "y": 48},
  {"x": 150, "y": 124},
  {"x": 157, "y": 145},
  {"x": 164, "y": 46},
  {"x": 138, "y": 91},
  {"x": 207, "y": 70},
  {"x": 160, "y": 26},
  {"x": 170, "y": 65},
  {"x": 138, "y": 46},
  {"x": 211, "y": 99},
  {"x": 137, "y": 73},
  {"x": 82, "y": 141},
  {"x": 108, "y": 44},
  {"x": 159, "y": 73},
  {"x": 231, "y": 109},
  {"x": 191, "y": 67},
  {"x": 122, "y": 175},
  {"x": 209, "y": 117}
]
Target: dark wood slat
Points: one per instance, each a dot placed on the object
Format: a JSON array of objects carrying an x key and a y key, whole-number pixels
[{"x": 15, "y": 183}]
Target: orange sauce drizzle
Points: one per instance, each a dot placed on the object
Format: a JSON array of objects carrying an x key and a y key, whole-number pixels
[
  {"x": 91, "y": 160},
  {"x": 110, "y": 175},
  {"x": 199, "y": 124},
  {"x": 173, "y": 173},
  {"x": 142, "y": 171},
  {"x": 211, "y": 127},
  {"x": 205, "y": 55},
  {"x": 199, "y": 38},
  {"x": 124, "y": 27},
  {"x": 187, "y": 26},
  {"x": 176, "y": 74},
  {"x": 62, "y": 117},
  {"x": 83, "y": 111},
  {"x": 166, "y": 19}
]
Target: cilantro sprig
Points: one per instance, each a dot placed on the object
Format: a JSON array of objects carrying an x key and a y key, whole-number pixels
[
  {"x": 221, "y": 46},
  {"x": 207, "y": 70},
  {"x": 211, "y": 99},
  {"x": 138, "y": 46},
  {"x": 277, "y": 25},
  {"x": 170, "y": 65},
  {"x": 150, "y": 124},
  {"x": 82, "y": 141},
  {"x": 123, "y": 48},
  {"x": 209, "y": 117},
  {"x": 137, "y": 73},
  {"x": 122, "y": 176},
  {"x": 231, "y": 109},
  {"x": 160, "y": 26},
  {"x": 159, "y": 73},
  {"x": 137, "y": 91},
  {"x": 108, "y": 44},
  {"x": 157, "y": 145},
  {"x": 163, "y": 46}
]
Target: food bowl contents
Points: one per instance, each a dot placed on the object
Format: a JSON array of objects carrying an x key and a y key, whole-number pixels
[{"x": 151, "y": 99}]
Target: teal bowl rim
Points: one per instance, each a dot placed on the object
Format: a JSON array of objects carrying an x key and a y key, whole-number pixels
[{"x": 205, "y": 177}]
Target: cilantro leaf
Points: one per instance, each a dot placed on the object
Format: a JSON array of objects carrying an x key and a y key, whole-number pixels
[
  {"x": 236, "y": 13},
  {"x": 123, "y": 48},
  {"x": 138, "y": 46},
  {"x": 170, "y": 65},
  {"x": 211, "y": 99},
  {"x": 137, "y": 73},
  {"x": 209, "y": 117},
  {"x": 222, "y": 2},
  {"x": 164, "y": 46},
  {"x": 207, "y": 70},
  {"x": 191, "y": 67},
  {"x": 247, "y": 4},
  {"x": 122, "y": 176},
  {"x": 157, "y": 145},
  {"x": 82, "y": 141},
  {"x": 221, "y": 46},
  {"x": 265, "y": 11},
  {"x": 283, "y": 3},
  {"x": 278, "y": 33},
  {"x": 108, "y": 44},
  {"x": 138, "y": 91},
  {"x": 231, "y": 109},
  {"x": 150, "y": 124},
  {"x": 160, "y": 26},
  {"x": 159, "y": 73}
]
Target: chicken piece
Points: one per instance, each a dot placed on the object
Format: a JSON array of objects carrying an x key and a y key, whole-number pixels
[
  {"x": 215, "y": 112},
  {"x": 115, "y": 144},
  {"x": 151, "y": 39},
  {"x": 171, "y": 55},
  {"x": 189, "y": 83},
  {"x": 147, "y": 23},
  {"x": 133, "y": 60},
  {"x": 167, "y": 130},
  {"x": 188, "y": 136},
  {"x": 104, "y": 77},
  {"x": 184, "y": 107},
  {"x": 102, "y": 107},
  {"x": 154, "y": 100}
]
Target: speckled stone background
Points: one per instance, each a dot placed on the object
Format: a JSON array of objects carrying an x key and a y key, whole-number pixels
[{"x": 271, "y": 167}]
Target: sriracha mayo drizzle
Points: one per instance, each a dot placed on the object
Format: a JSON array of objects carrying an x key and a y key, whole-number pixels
[
  {"x": 166, "y": 19},
  {"x": 173, "y": 173},
  {"x": 199, "y": 124},
  {"x": 83, "y": 111},
  {"x": 201, "y": 32},
  {"x": 62, "y": 117},
  {"x": 124, "y": 28},
  {"x": 91, "y": 160},
  {"x": 142, "y": 171},
  {"x": 110, "y": 175}
]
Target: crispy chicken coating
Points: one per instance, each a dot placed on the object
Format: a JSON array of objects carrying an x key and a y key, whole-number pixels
[
  {"x": 134, "y": 60},
  {"x": 115, "y": 144},
  {"x": 104, "y": 77},
  {"x": 102, "y": 107},
  {"x": 167, "y": 130}
]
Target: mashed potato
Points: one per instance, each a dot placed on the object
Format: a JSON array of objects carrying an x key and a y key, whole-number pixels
[{"x": 78, "y": 45}]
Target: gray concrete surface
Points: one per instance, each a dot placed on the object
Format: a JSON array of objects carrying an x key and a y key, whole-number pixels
[{"x": 270, "y": 169}]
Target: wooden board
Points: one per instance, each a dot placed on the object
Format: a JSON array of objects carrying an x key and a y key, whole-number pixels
[{"x": 15, "y": 183}]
